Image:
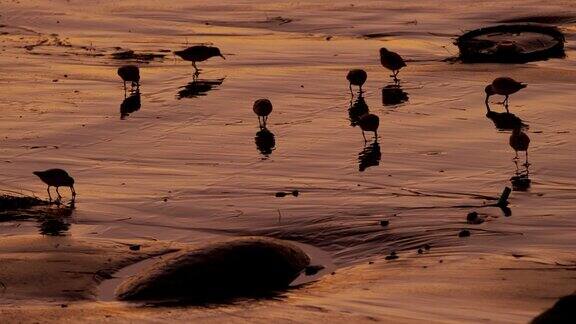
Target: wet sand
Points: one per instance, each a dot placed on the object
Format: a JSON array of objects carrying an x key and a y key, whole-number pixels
[{"x": 186, "y": 168}]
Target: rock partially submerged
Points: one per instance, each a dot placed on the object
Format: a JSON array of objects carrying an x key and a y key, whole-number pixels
[
  {"x": 253, "y": 266},
  {"x": 511, "y": 43},
  {"x": 563, "y": 312}
]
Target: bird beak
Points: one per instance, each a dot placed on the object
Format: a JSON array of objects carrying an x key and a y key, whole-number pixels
[{"x": 222, "y": 56}]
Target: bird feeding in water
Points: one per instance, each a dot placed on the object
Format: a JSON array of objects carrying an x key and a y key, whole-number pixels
[
  {"x": 130, "y": 73},
  {"x": 519, "y": 141},
  {"x": 503, "y": 86},
  {"x": 369, "y": 123},
  {"x": 57, "y": 178},
  {"x": 392, "y": 61},
  {"x": 357, "y": 77},
  {"x": 199, "y": 53},
  {"x": 262, "y": 108}
]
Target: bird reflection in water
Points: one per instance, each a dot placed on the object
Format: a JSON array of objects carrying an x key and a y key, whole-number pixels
[
  {"x": 521, "y": 178},
  {"x": 393, "y": 94},
  {"x": 199, "y": 87},
  {"x": 265, "y": 142},
  {"x": 56, "y": 221},
  {"x": 130, "y": 104},
  {"x": 504, "y": 120},
  {"x": 369, "y": 156},
  {"x": 357, "y": 108}
]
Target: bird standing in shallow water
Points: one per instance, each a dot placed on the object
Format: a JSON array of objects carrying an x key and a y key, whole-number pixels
[
  {"x": 369, "y": 123},
  {"x": 503, "y": 86},
  {"x": 392, "y": 61},
  {"x": 57, "y": 178},
  {"x": 519, "y": 141},
  {"x": 262, "y": 108},
  {"x": 130, "y": 73},
  {"x": 199, "y": 53},
  {"x": 357, "y": 77}
]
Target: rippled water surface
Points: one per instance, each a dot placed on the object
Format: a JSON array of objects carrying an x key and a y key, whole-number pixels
[{"x": 187, "y": 162}]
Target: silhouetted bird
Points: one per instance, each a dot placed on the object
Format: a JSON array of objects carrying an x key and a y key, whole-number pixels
[
  {"x": 56, "y": 178},
  {"x": 357, "y": 77},
  {"x": 392, "y": 61},
  {"x": 519, "y": 141},
  {"x": 130, "y": 105},
  {"x": 262, "y": 108},
  {"x": 130, "y": 73},
  {"x": 369, "y": 123},
  {"x": 503, "y": 86},
  {"x": 199, "y": 53}
]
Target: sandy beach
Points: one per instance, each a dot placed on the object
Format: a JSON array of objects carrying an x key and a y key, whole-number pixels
[{"x": 185, "y": 169}]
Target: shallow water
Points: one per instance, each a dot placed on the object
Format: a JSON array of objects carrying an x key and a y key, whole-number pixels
[{"x": 185, "y": 166}]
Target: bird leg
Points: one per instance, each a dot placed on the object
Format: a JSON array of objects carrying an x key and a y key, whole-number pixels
[
  {"x": 73, "y": 193},
  {"x": 527, "y": 164},
  {"x": 365, "y": 140},
  {"x": 351, "y": 92},
  {"x": 58, "y": 192},
  {"x": 49, "y": 195},
  {"x": 515, "y": 157},
  {"x": 124, "y": 89},
  {"x": 506, "y": 104},
  {"x": 375, "y": 136},
  {"x": 196, "y": 70}
]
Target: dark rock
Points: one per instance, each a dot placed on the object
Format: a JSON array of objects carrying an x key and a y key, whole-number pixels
[
  {"x": 313, "y": 269},
  {"x": 253, "y": 266},
  {"x": 281, "y": 194},
  {"x": 392, "y": 256},
  {"x": 473, "y": 218},
  {"x": 384, "y": 223},
  {"x": 563, "y": 312},
  {"x": 464, "y": 233},
  {"x": 135, "y": 247},
  {"x": 295, "y": 193},
  {"x": 511, "y": 43}
]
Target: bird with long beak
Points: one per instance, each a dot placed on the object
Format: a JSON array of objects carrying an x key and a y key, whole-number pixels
[
  {"x": 503, "y": 86},
  {"x": 199, "y": 53},
  {"x": 392, "y": 61},
  {"x": 369, "y": 123},
  {"x": 57, "y": 178},
  {"x": 356, "y": 77}
]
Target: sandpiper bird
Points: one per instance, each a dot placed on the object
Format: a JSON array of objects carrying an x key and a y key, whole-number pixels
[
  {"x": 369, "y": 123},
  {"x": 199, "y": 53},
  {"x": 56, "y": 178},
  {"x": 262, "y": 108},
  {"x": 357, "y": 77},
  {"x": 519, "y": 141},
  {"x": 392, "y": 61},
  {"x": 503, "y": 86},
  {"x": 130, "y": 73}
]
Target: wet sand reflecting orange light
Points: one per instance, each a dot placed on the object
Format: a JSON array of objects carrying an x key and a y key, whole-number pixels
[{"x": 183, "y": 159}]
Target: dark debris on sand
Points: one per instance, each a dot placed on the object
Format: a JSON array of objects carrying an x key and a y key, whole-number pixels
[
  {"x": 132, "y": 55},
  {"x": 11, "y": 203}
]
